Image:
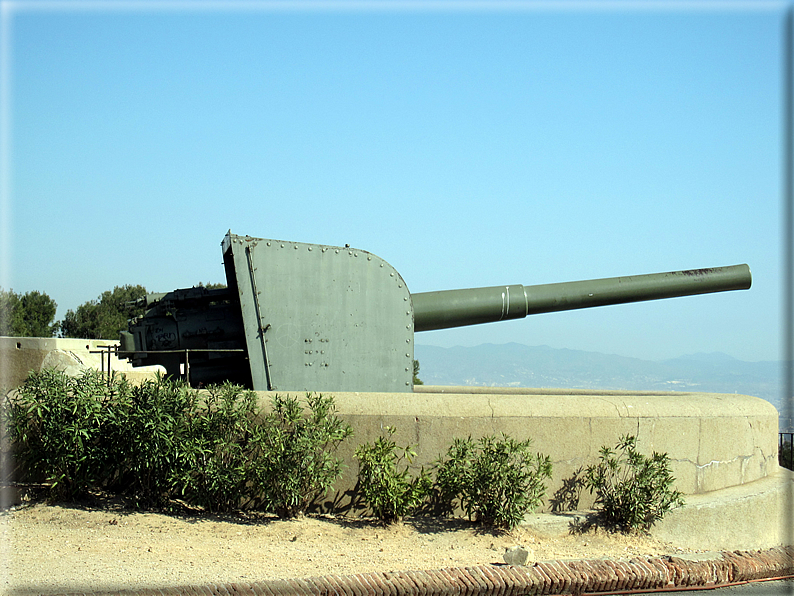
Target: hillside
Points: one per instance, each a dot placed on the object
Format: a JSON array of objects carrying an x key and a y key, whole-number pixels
[{"x": 518, "y": 365}]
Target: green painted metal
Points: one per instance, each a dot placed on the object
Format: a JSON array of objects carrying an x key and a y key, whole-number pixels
[
  {"x": 194, "y": 333},
  {"x": 456, "y": 308},
  {"x": 311, "y": 317},
  {"x": 321, "y": 318}
]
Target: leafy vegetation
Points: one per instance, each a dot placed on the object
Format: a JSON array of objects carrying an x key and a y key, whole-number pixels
[
  {"x": 632, "y": 491},
  {"x": 417, "y": 380},
  {"x": 162, "y": 441},
  {"x": 105, "y": 317},
  {"x": 60, "y": 427},
  {"x": 295, "y": 465},
  {"x": 33, "y": 314},
  {"x": 150, "y": 438},
  {"x": 216, "y": 465},
  {"x": 495, "y": 480},
  {"x": 385, "y": 481},
  {"x": 27, "y": 315}
]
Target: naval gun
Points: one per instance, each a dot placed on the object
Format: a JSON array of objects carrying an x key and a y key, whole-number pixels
[{"x": 309, "y": 317}]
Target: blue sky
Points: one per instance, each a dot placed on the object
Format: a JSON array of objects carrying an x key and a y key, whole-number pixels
[{"x": 468, "y": 146}]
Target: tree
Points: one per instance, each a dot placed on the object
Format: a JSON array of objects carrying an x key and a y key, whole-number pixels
[
  {"x": 417, "y": 380},
  {"x": 31, "y": 314},
  {"x": 105, "y": 317},
  {"x": 37, "y": 315},
  {"x": 9, "y": 305}
]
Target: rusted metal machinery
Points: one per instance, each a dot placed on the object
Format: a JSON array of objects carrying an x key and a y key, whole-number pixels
[{"x": 298, "y": 316}]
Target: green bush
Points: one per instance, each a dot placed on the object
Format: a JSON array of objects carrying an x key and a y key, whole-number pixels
[
  {"x": 149, "y": 438},
  {"x": 60, "y": 428},
  {"x": 162, "y": 441},
  {"x": 391, "y": 493},
  {"x": 216, "y": 464},
  {"x": 294, "y": 465},
  {"x": 494, "y": 480},
  {"x": 632, "y": 491},
  {"x": 85, "y": 433}
]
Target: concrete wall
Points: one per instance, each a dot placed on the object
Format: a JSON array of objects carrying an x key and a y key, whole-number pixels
[
  {"x": 756, "y": 515},
  {"x": 714, "y": 441},
  {"x": 21, "y": 355}
]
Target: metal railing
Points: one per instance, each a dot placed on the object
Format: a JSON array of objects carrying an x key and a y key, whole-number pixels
[
  {"x": 115, "y": 351},
  {"x": 785, "y": 451}
]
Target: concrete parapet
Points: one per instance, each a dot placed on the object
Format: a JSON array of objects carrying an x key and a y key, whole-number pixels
[
  {"x": 714, "y": 441},
  {"x": 755, "y": 515},
  {"x": 21, "y": 355}
]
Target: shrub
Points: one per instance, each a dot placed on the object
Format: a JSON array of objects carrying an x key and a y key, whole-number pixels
[
  {"x": 216, "y": 463},
  {"x": 632, "y": 490},
  {"x": 294, "y": 465},
  {"x": 389, "y": 492},
  {"x": 162, "y": 440},
  {"x": 59, "y": 426},
  {"x": 495, "y": 480},
  {"x": 151, "y": 439}
]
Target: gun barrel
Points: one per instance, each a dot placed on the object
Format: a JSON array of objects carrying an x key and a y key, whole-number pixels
[{"x": 457, "y": 308}]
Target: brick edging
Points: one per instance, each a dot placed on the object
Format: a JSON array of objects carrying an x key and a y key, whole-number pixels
[{"x": 544, "y": 577}]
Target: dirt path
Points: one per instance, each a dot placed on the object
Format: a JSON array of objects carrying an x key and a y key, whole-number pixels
[{"x": 52, "y": 549}]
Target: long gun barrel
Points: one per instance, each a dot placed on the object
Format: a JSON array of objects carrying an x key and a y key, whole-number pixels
[
  {"x": 311, "y": 317},
  {"x": 456, "y": 308}
]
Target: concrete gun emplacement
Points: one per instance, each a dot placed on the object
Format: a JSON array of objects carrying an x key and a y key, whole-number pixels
[{"x": 309, "y": 317}]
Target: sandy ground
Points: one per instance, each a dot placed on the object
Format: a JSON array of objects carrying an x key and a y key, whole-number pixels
[{"x": 52, "y": 549}]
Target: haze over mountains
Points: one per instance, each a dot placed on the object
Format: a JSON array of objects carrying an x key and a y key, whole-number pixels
[{"x": 518, "y": 365}]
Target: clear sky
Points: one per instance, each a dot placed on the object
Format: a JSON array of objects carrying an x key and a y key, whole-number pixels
[{"x": 467, "y": 145}]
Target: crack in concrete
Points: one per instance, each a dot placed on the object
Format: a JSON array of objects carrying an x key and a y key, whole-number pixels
[{"x": 727, "y": 461}]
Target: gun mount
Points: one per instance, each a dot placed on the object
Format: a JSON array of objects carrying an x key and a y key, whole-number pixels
[{"x": 308, "y": 317}]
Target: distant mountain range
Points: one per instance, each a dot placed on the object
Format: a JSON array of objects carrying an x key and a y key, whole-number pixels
[{"x": 518, "y": 365}]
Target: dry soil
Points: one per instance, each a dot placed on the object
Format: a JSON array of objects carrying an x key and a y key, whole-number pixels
[{"x": 55, "y": 549}]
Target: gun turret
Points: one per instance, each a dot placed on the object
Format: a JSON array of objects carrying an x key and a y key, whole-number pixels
[{"x": 308, "y": 317}]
